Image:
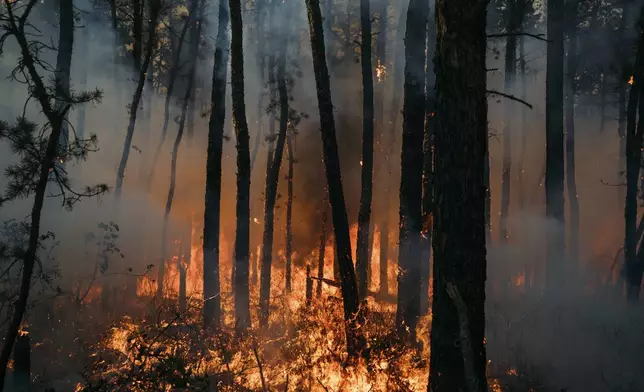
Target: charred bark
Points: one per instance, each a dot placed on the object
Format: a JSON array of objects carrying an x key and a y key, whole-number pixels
[
  {"x": 242, "y": 234},
  {"x": 409, "y": 256},
  {"x": 428, "y": 163},
  {"x": 458, "y": 324},
  {"x": 212, "y": 212},
  {"x": 355, "y": 341}
]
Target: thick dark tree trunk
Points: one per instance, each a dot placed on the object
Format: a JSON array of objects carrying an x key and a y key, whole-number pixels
[
  {"x": 571, "y": 182},
  {"x": 428, "y": 162},
  {"x": 270, "y": 192},
  {"x": 212, "y": 212},
  {"x": 509, "y": 107},
  {"x": 136, "y": 98},
  {"x": 634, "y": 135},
  {"x": 242, "y": 234},
  {"x": 457, "y": 361},
  {"x": 323, "y": 213},
  {"x": 554, "y": 183},
  {"x": 366, "y": 178},
  {"x": 409, "y": 255},
  {"x": 355, "y": 341},
  {"x": 289, "y": 199}
]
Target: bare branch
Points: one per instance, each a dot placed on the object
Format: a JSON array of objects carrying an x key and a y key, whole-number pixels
[
  {"x": 540, "y": 37},
  {"x": 510, "y": 97}
]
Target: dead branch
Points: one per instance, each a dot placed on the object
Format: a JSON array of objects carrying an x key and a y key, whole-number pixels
[
  {"x": 259, "y": 364},
  {"x": 540, "y": 37},
  {"x": 510, "y": 97}
]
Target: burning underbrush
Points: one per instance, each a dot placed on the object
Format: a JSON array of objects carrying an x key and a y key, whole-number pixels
[{"x": 170, "y": 351}]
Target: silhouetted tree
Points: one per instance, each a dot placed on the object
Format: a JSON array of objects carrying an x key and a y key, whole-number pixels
[
  {"x": 457, "y": 361},
  {"x": 212, "y": 212},
  {"x": 411, "y": 172},
  {"x": 355, "y": 341}
]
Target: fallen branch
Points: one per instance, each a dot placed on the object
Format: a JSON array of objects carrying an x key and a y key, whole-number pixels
[
  {"x": 540, "y": 37},
  {"x": 510, "y": 97}
]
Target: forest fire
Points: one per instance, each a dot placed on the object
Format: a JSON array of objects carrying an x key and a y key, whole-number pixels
[{"x": 262, "y": 214}]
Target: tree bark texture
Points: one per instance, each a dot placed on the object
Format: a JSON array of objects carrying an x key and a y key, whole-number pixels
[{"x": 458, "y": 361}]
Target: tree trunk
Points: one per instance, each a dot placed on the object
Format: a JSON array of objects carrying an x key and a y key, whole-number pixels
[
  {"x": 389, "y": 137},
  {"x": 571, "y": 182},
  {"x": 183, "y": 264},
  {"x": 22, "y": 362},
  {"x": 322, "y": 247},
  {"x": 195, "y": 38},
  {"x": 289, "y": 200},
  {"x": 509, "y": 107},
  {"x": 634, "y": 133},
  {"x": 56, "y": 119},
  {"x": 408, "y": 305},
  {"x": 554, "y": 183},
  {"x": 355, "y": 341},
  {"x": 212, "y": 212},
  {"x": 172, "y": 78},
  {"x": 259, "y": 6},
  {"x": 136, "y": 98},
  {"x": 63, "y": 66},
  {"x": 457, "y": 361},
  {"x": 270, "y": 193},
  {"x": 173, "y": 180},
  {"x": 85, "y": 38},
  {"x": 366, "y": 178},
  {"x": 621, "y": 129},
  {"x": 137, "y": 33},
  {"x": 524, "y": 122},
  {"x": 242, "y": 234},
  {"x": 428, "y": 162}
]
